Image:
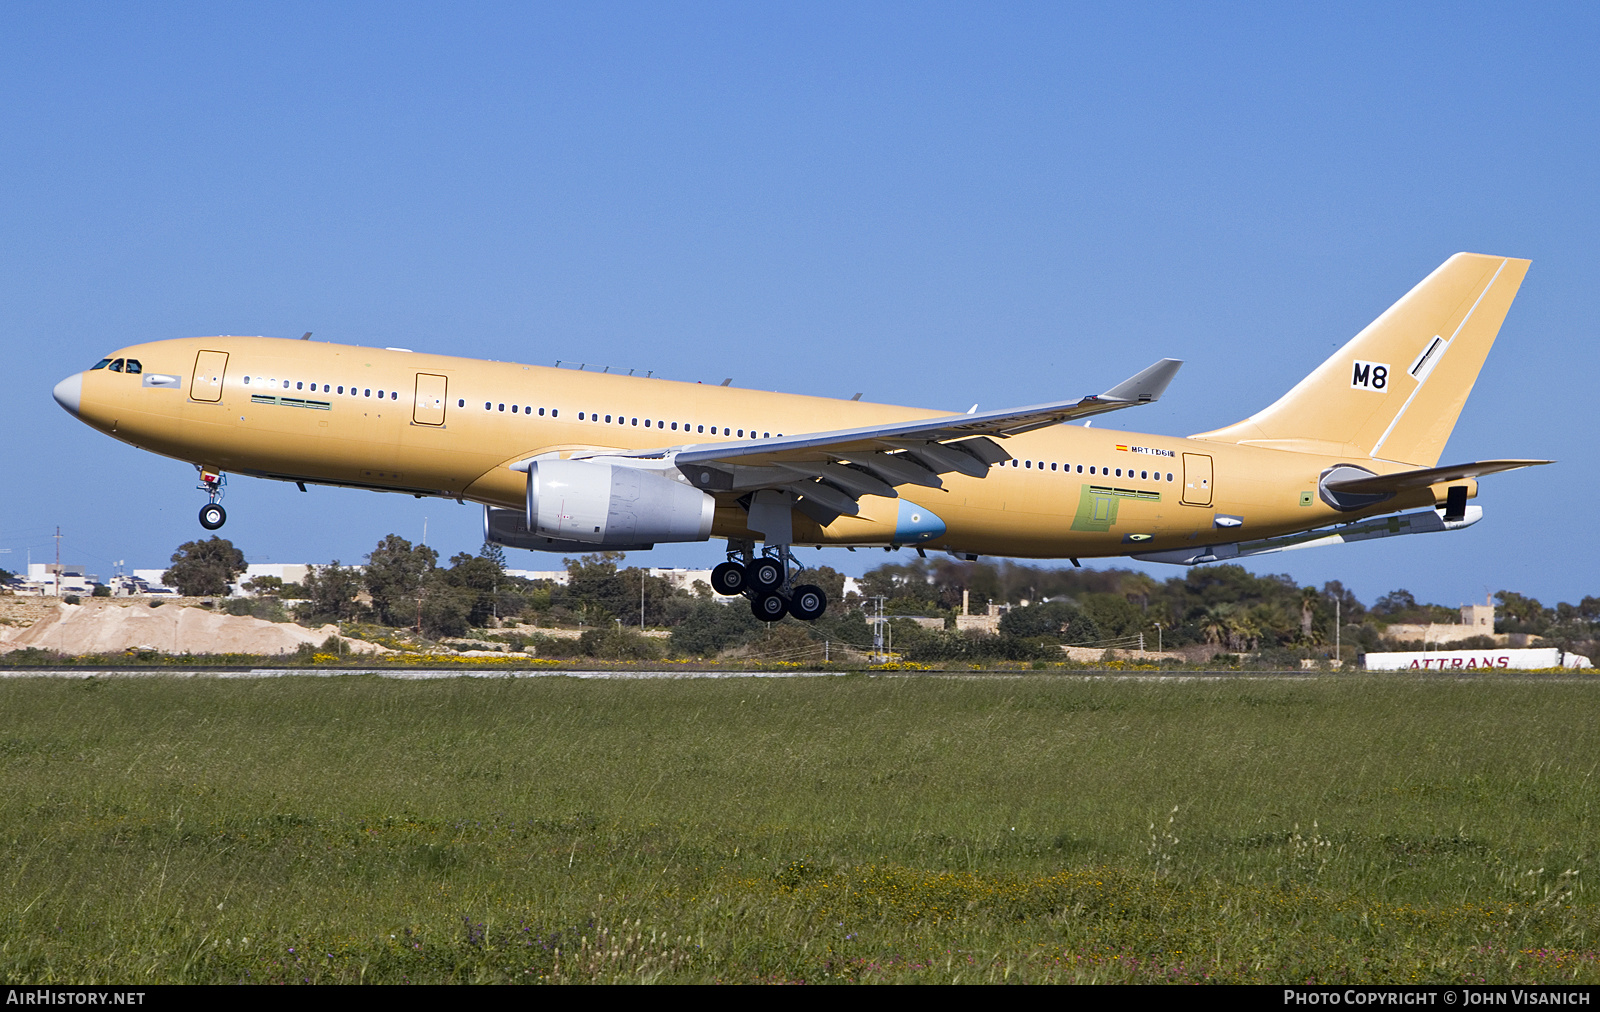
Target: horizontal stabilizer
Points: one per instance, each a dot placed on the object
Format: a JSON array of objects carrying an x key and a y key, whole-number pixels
[{"x": 1403, "y": 481}]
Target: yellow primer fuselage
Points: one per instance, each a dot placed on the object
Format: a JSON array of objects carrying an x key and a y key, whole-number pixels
[{"x": 442, "y": 426}]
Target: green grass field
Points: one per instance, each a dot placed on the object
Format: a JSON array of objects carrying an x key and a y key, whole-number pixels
[{"x": 897, "y": 828}]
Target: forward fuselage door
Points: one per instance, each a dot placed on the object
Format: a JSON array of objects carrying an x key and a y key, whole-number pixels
[
  {"x": 1196, "y": 479},
  {"x": 209, "y": 368},
  {"x": 429, "y": 407}
]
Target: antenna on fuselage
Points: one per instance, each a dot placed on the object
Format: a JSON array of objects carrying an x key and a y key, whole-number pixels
[{"x": 306, "y": 336}]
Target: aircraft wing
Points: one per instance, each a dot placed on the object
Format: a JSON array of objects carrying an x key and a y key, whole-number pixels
[
  {"x": 829, "y": 471},
  {"x": 1402, "y": 481}
]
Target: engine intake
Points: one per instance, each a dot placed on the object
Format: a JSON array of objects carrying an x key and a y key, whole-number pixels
[{"x": 612, "y": 505}]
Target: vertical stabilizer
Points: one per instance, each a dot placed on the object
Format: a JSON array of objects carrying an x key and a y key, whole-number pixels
[{"x": 1395, "y": 390}]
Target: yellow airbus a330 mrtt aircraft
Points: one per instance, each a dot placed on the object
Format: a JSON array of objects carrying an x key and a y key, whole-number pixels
[{"x": 566, "y": 461}]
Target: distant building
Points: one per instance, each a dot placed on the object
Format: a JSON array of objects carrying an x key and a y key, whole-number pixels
[
  {"x": 47, "y": 579},
  {"x": 555, "y": 576},
  {"x": 683, "y": 579},
  {"x": 288, "y": 572},
  {"x": 151, "y": 581},
  {"x": 988, "y": 623},
  {"x": 127, "y": 585},
  {"x": 1476, "y": 620},
  {"x": 925, "y": 621}
]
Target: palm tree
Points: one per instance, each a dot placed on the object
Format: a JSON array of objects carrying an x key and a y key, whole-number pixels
[
  {"x": 1308, "y": 603},
  {"x": 1216, "y": 625}
]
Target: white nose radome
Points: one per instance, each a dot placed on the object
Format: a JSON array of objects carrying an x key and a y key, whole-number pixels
[{"x": 69, "y": 392}]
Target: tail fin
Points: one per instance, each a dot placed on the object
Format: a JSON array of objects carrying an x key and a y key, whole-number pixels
[{"x": 1395, "y": 390}]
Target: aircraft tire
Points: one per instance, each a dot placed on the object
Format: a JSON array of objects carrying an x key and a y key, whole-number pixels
[
  {"x": 769, "y": 607},
  {"x": 765, "y": 574},
  {"x": 213, "y": 516},
  {"x": 729, "y": 579},
  {"x": 808, "y": 603}
]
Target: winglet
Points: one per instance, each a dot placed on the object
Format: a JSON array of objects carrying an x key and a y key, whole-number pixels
[{"x": 1147, "y": 386}]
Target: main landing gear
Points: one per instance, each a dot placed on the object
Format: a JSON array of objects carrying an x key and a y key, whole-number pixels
[
  {"x": 764, "y": 579},
  {"x": 212, "y": 515}
]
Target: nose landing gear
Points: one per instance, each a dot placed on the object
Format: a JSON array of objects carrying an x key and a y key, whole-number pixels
[
  {"x": 212, "y": 515},
  {"x": 765, "y": 580}
]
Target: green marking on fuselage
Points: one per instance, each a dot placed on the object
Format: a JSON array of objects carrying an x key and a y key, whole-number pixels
[
  {"x": 1097, "y": 509},
  {"x": 290, "y": 402},
  {"x": 1126, "y": 493}
]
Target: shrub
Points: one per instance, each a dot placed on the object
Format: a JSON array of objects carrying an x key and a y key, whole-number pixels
[
  {"x": 618, "y": 644},
  {"x": 1060, "y": 620},
  {"x": 710, "y": 628}
]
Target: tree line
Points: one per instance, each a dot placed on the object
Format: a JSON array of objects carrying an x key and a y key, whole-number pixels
[{"x": 1223, "y": 607}]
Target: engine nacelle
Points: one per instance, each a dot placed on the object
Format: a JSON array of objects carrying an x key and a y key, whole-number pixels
[
  {"x": 510, "y": 528},
  {"x": 612, "y": 505}
]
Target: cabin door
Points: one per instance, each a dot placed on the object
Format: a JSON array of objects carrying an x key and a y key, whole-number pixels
[
  {"x": 209, "y": 367},
  {"x": 429, "y": 406},
  {"x": 1196, "y": 479}
]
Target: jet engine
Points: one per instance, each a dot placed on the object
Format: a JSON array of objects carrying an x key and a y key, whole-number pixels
[
  {"x": 594, "y": 504},
  {"x": 510, "y": 528}
]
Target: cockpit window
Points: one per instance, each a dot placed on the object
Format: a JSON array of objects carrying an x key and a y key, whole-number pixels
[
  {"x": 100, "y": 364},
  {"x": 133, "y": 366},
  {"x": 116, "y": 366}
]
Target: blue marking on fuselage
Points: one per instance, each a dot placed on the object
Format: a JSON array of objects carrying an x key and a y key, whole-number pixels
[{"x": 915, "y": 524}]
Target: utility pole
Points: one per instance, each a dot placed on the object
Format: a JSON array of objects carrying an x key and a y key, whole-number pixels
[
  {"x": 1338, "y": 623},
  {"x": 58, "y": 561},
  {"x": 422, "y": 580},
  {"x": 877, "y": 633},
  {"x": 1159, "y": 648}
]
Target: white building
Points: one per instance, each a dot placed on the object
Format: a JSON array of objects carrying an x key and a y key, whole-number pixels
[
  {"x": 50, "y": 580},
  {"x": 555, "y": 576},
  {"x": 288, "y": 572}
]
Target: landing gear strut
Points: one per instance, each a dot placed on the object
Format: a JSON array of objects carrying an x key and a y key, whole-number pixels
[
  {"x": 212, "y": 515},
  {"x": 765, "y": 580}
]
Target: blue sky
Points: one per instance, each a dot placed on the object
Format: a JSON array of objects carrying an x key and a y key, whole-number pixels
[{"x": 934, "y": 204}]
